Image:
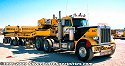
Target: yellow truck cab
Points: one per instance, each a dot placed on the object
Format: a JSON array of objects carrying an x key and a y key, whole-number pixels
[{"x": 90, "y": 41}]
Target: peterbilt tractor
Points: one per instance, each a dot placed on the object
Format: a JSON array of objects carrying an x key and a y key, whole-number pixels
[{"x": 72, "y": 33}]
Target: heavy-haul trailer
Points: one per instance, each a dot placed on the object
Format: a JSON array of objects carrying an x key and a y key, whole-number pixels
[
  {"x": 8, "y": 32},
  {"x": 18, "y": 35},
  {"x": 72, "y": 33}
]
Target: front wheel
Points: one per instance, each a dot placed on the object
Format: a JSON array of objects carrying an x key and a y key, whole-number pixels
[{"x": 83, "y": 53}]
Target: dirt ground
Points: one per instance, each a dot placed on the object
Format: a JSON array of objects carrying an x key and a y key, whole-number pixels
[{"x": 20, "y": 54}]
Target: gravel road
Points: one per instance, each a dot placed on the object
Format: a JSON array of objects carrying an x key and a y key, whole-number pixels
[{"x": 20, "y": 54}]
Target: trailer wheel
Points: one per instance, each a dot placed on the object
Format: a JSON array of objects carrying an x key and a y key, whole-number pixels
[
  {"x": 15, "y": 42},
  {"x": 21, "y": 42},
  {"x": 24, "y": 42},
  {"x": 83, "y": 53},
  {"x": 8, "y": 40},
  {"x": 47, "y": 45},
  {"x": 11, "y": 42},
  {"x": 3, "y": 40},
  {"x": 39, "y": 44}
]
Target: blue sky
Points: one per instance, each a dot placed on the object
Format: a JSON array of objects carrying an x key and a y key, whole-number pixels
[{"x": 27, "y": 12}]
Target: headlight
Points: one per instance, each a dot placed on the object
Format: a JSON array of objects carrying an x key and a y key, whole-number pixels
[{"x": 96, "y": 38}]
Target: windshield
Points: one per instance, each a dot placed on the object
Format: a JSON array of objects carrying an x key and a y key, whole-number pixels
[{"x": 79, "y": 22}]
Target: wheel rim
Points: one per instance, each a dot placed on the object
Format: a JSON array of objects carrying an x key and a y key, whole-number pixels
[
  {"x": 82, "y": 52},
  {"x": 38, "y": 44},
  {"x": 46, "y": 45}
]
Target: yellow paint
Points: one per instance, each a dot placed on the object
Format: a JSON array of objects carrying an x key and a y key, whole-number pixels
[
  {"x": 124, "y": 33},
  {"x": 89, "y": 36},
  {"x": 42, "y": 22},
  {"x": 46, "y": 32},
  {"x": 91, "y": 32},
  {"x": 12, "y": 29},
  {"x": 27, "y": 29},
  {"x": 54, "y": 22}
]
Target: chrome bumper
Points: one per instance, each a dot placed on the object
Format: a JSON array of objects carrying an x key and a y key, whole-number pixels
[{"x": 104, "y": 49}]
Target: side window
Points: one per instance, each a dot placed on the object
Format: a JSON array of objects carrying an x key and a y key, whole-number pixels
[{"x": 68, "y": 23}]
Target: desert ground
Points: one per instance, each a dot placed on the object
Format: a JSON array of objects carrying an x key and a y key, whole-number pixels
[{"x": 21, "y": 54}]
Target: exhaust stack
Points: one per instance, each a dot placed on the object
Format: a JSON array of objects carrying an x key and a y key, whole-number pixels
[
  {"x": 59, "y": 27},
  {"x": 60, "y": 30}
]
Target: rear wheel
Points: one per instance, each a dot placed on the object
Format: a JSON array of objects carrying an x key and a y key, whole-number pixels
[
  {"x": 48, "y": 45},
  {"x": 8, "y": 40},
  {"x": 15, "y": 42},
  {"x": 21, "y": 42},
  {"x": 24, "y": 42},
  {"x": 11, "y": 42},
  {"x": 5, "y": 40},
  {"x": 39, "y": 44},
  {"x": 83, "y": 53}
]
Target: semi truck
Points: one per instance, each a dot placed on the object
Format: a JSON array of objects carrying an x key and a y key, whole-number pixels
[{"x": 72, "y": 33}]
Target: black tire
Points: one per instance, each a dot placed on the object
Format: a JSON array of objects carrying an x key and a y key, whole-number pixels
[
  {"x": 88, "y": 52},
  {"x": 7, "y": 40},
  {"x": 3, "y": 40},
  {"x": 11, "y": 42},
  {"x": 15, "y": 42},
  {"x": 39, "y": 44},
  {"x": 21, "y": 42},
  {"x": 24, "y": 42},
  {"x": 47, "y": 46}
]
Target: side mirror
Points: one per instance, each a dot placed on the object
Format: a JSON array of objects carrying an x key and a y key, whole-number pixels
[{"x": 63, "y": 22}]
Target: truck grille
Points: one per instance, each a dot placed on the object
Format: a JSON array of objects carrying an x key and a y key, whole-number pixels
[{"x": 105, "y": 35}]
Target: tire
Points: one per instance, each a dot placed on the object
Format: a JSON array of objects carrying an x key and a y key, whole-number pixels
[
  {"x": 15, "y": 42},
  {"x": 3, "y": 40},
  {"x": 11, "y": 42},
  {"x": 8, "y": 40},
  {"x": 21, "y": 42},
  {"x": 80, "y": 49},
  {"x": 47, "y": 46},
  {"x": 39, "y": 44},
  {"x": 24, "y": 42}
]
